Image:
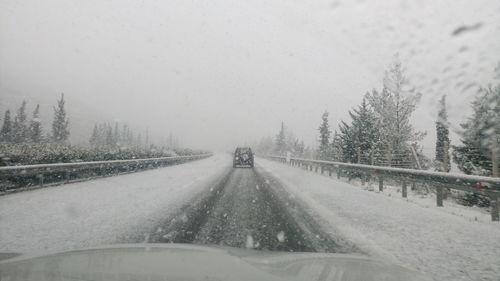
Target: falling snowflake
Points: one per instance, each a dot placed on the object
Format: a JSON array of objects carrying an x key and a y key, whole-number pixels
[{"x": 281, "y": 236}]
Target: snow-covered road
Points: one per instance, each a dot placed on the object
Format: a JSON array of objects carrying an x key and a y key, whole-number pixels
[
  {"x": 248, "y": 210},
  {"x": 101, "y": 211},
  {"x": 442, "y": 245}
]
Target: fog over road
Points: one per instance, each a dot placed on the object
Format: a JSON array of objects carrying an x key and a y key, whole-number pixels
[{"x": 247, "y": 208}]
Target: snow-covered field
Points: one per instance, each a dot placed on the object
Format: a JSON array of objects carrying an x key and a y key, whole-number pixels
[
  {"x": 444, "y": 243},
  {"x": 100, "y": 211}
]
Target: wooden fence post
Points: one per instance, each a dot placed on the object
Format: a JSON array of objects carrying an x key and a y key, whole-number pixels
[
  {"x": 329, "y": 171},
  {"x": 380, "y": 183}
]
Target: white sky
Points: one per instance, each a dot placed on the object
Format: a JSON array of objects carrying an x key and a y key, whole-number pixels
[{"x": 217, "y": 73}]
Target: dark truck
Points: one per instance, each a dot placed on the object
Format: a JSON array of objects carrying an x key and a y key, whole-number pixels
[{"x": 243, "y": 157}]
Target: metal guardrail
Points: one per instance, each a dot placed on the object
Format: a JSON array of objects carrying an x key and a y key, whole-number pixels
[
  {"x": 62, "y": 172},
  {"x": 487, "y": 186}
]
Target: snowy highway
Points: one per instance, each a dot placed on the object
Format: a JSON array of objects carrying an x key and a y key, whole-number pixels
[
  {"x": 101, "y": 211},
  {"x": 270, "y": 207},
  {"x": 247, "y": 209}
]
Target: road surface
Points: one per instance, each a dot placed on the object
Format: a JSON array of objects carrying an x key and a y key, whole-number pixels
[{"x": 247, "y": 208}]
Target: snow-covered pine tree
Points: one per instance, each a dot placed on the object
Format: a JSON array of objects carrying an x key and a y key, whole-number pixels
[
  {"x": 35, "y": 129},
  {"x": 336, "y": 147},
  {"x": 442, "y": 161},
  {"x": 280, "y": 145},
  {"x": 6, "y": 132},
  {"x": 478, "y": 152},
  {"x": 94, "y": 138},
  {"x": 365, "y": 132},
  {"x": 324, "y": 138},
  {"x": 124, "y": 135},
  {"x": 20, "y": 127},
  {"x": 290, "y": 141},
  {"x": 393, "y": 107},
  {"x": 60, "y": 132},
  {"x": 299, "y": 148},
  {"x": 108, "y": 139},
  {"x": 139, "y": 140},
  {"x": 265, "y": 145},
  {"x": 347, "y": 143},
  {"x": 116, "y": 135}
]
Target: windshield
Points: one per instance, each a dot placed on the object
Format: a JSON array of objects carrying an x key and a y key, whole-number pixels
[{"x": 347, "y": 127}]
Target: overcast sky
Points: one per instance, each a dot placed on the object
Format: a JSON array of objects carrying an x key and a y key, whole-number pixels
[{"x": 222, "y": 72}]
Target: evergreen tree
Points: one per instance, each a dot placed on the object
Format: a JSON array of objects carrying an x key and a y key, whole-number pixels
[
  {"x": 442, "y": 138},
  {"x": 6, "y": 132},
  {"x": 364, "y": 132},
  {"x": 264, "y": 147},
  {"x": 299, "y": 148},
  {"x": 280, "y": 146},
  {"x": 116, "y": 135},
  {"x": 393, "y": 108},
  {"x": 94, "y": 138},
  {"x": 478, "y": 152},
  {"x": 20, "y": 128},
  {"x": 109, "y": 140},
  {"x": 36, "y": 126},
  {"x": 347, "y": 143},
  {"x": 125, "y": 135},
  {"x": 60, "y": 132},
  {"x": 324, "y": 138}
]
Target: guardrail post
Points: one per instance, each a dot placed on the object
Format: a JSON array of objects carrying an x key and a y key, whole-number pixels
[
  {"x": 495, "y": 206},
  {"x": 40, "y": 180},
  {"x": 338, "y": 173},
  {"x": 322, "y": 169},
  {"x": 404, "y": 191},
  {"x": 439, "y": 196},
  {"x": 330, "y": 171},
  {"x": 315, "y": 168},
  {"x": 380, "y": 183},
  {"x": 66, "y": 177}
]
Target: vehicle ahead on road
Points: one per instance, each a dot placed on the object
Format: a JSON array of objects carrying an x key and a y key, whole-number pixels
[
  {"x": 193, "y": 262},
  {"x": 243, "y": 157}
]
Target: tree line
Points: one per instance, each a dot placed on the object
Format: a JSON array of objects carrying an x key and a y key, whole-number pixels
[
  {"x": 18, "y": 129},
  {"x": 24, "y": 141},
  {"x": 379, "y": 132},
  {"x": 284, "y": 142}
]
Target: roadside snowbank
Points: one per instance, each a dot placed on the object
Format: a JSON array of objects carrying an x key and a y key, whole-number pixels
[
  {"x": 101, "y": 211},
  {"x": 444, "y": 244}
]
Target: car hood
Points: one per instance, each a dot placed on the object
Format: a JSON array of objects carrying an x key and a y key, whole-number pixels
[{"x": 193, "y": 262}]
